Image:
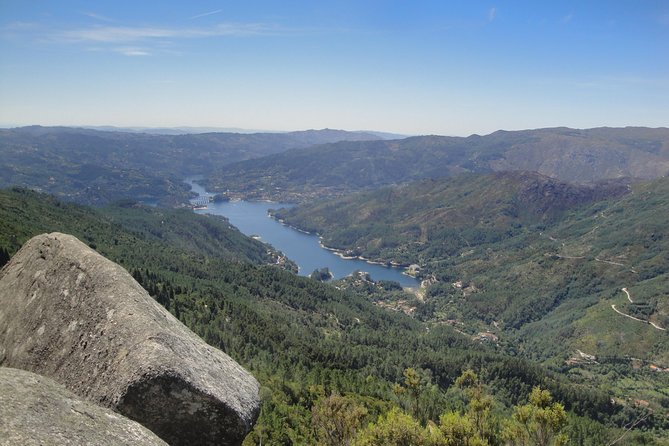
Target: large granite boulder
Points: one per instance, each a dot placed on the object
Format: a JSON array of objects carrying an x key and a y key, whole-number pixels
[
  {"x": 68, "y": 313},
  {"x": 35, "y": 410}
]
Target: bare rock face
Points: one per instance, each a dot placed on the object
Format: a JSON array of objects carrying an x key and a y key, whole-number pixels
[
  {"x": 35, "y": 410},
  {"x": 68, "y": 313}
]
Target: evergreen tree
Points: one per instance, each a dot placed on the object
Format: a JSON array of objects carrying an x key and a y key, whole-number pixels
[
  {"x": 336, "y": 419},
  {"x": 4, "y": 257},
  {"x": 538, "y": 423},
  {"x": 394, "y": 429}
]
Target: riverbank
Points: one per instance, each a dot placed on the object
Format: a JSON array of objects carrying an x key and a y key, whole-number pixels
[
  {"x": 341, "y": 253},
  {"x": 304, "y": 248}
]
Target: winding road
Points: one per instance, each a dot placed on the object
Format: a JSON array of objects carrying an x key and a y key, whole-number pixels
[
  {"x": 628, "y": 295},
  {"x": 624, "y": 289},
  {"x": 653, "y": 324}
]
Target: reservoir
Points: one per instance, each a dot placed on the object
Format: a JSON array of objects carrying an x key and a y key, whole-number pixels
[{"x": 252, "y": 219}]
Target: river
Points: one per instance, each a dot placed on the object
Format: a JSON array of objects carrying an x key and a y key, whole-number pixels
[{"x": 252, "y": 219}]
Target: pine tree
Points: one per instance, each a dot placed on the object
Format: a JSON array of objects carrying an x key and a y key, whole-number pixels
[
  {"x": 394, "y": 429},
  {"x": 4, "y": 257},
  {"x": 538, "y": 423},
  {"x": 336, "y": 419}
]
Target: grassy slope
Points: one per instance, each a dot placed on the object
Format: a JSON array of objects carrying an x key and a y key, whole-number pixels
[{"x": 625, "y": 244}]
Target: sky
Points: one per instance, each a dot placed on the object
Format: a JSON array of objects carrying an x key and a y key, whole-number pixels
[{"x": 410, "y": 67}]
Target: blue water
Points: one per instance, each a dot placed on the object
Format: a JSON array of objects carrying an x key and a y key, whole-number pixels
[{"x": 252, "y": 219}]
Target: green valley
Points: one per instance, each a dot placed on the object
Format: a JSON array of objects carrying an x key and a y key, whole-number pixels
[
  {"x": 306, "y": 341},
  {"x": 572, "y": 276},
  {"x": 528, "y": 280}
]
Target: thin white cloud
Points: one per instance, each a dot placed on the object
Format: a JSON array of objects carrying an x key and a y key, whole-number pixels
[
  {"x": 132, "y": 52},
  {"x": 19, "y": 31},
  {"x": 205, "y": 14},
  {"x": 567, "y": 18},
  {"x": 492, "y": 13},
  {"x": 127, "y": 34},
  {"x": 18, "y": 27},
  {"x": 97, "y": 16},
  {"x": 138, "y": 40}
]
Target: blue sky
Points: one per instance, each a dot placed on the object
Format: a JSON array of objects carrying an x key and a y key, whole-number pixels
[{"x": 413, "y": 67}]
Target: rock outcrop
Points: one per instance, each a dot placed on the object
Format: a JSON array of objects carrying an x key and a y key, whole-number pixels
[
  {"x": 35, "y": 410},
  {"x": 68, "y": 313}
]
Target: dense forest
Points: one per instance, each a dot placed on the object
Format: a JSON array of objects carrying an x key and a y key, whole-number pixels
[
  {"x": 335, "y": 367},
  {"x": 543, "y": 268}
]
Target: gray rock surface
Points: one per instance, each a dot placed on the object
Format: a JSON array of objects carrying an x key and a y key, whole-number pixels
[
  {"x": 35, "y": 410},
  {"x": 68, "y": 313}
]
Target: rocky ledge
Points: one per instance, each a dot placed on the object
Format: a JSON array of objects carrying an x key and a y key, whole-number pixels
[
  {"x": 69, "y": 314},
  {"x": 35, "y": 410}
]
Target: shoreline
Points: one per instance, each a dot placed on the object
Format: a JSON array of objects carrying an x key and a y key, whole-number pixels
[
  {"x": 402, "y": 269},
  {"x": 341, "y": 254}
]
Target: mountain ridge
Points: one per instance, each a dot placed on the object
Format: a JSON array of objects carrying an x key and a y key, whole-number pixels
[
  {"x": 97, "y": 167},
  {"x": 580, "y": 156},
  {"x": 498, "y": 201}
]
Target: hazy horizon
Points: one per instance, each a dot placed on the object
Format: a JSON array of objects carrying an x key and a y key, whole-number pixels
[{"x": 199, "y": 129}]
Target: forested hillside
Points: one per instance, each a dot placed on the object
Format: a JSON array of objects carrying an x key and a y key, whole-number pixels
[
  {"x": 97, "y": 167},
  {"x": 437, "y": 218},
  {"x": 549, "y": 269},
  {"x": 562, "y": 153},
  {"x": 319, "y": 352}
]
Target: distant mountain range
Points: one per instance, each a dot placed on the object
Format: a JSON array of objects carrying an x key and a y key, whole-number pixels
[
  {"x": 95, "y": 167},
  {"x": 580, "y": 156},
  {"x": 197, "y": 130}
]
